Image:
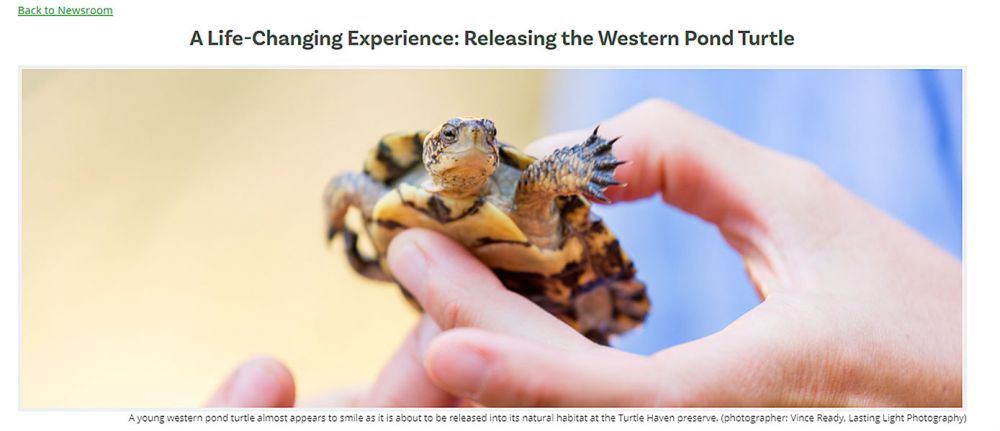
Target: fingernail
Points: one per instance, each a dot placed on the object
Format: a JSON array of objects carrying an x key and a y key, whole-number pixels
[
  {"x": 462, "y": 370},
  {"x": 408, "y": 264}
]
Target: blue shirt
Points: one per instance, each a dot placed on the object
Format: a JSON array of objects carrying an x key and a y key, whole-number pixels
[{"x": 893, "y": 137}]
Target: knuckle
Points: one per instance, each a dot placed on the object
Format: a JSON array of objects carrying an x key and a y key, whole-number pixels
[
  {"x": 658, "y": 106},
  {"x": 437, "y": 297},
  {"x": 454, "y": 314},
  {"x": 815, "y": 180}
]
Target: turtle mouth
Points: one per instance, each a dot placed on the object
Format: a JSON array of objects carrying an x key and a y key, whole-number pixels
[
  {"x": 469, "y": 171},
  {"x": 473, "y": 161},
  {"x": 468, "y": 152},
  {"x": 474, "y": 157}
]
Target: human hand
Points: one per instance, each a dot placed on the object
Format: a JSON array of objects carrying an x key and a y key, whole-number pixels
[
  {"x": 857, "y": 308},
  {"x": 266, "y": 382}
]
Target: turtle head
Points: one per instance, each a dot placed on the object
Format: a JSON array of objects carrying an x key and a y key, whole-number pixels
[{"x": 461, "y": 155}]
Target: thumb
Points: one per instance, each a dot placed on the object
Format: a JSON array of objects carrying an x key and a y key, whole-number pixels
[
  {"x": 501, "y": 370},
  {"x": 742, "y": 365}
]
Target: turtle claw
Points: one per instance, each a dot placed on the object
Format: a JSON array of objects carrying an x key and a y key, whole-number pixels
[
  {"x": 602, "y": 166},
  {"x": 603, "y": 179},
  {"x": 610, "y": 164},
  {"x": 596, "y": 193},
  {"x": 595, "y": 145}
]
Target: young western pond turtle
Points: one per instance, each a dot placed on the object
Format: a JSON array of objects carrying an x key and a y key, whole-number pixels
[{"x": 527, "y": 219}]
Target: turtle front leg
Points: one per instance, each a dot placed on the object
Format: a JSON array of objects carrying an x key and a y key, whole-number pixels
[
  {"x": 362, "y": 192},
  {"x": 587, "y": 168}
]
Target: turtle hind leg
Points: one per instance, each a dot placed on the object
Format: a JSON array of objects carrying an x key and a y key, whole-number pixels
[
  {"x": 370, "y": 268},
  {"x": 362, "y": 192},
  {"x": 612, "y": 307},
  {"x": 631, "y": 305}
]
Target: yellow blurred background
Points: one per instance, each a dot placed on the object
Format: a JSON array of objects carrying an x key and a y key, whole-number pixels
[{"x": 172, "y": 223}]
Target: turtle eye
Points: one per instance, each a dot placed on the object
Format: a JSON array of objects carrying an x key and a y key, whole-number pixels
[
  {"x": 449, "y": 132},
  {"x": 490, "y": 128}
]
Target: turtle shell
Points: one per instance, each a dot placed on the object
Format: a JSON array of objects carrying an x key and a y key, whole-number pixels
[{"x": 587, "y": 280}]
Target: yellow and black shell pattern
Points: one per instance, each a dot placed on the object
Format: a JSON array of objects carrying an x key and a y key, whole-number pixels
[{"x": 587, "y": 281}]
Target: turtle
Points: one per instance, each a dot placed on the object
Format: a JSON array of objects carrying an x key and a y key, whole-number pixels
[{"x": 529, "y": 220}]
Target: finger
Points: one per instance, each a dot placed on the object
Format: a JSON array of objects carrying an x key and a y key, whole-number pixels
[
  {"x": 499, "y": 370},
  {"x": 457, "y": 290},
  {"x": 404, "y": 381},
  {"x": 760, "y": 200},
  {"x": 260, "y": 382},
  {"x": 740, "y": 366}
]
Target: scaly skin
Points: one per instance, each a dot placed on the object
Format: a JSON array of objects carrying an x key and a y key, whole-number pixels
[
  {"x": 461, "y": 155},
  {"x": 458, "y": 170},
  {"x": 586, "y": 169},
  {"x": 357, "y": 190}
]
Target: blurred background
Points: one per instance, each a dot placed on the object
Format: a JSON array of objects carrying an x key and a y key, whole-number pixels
[{"x": 172, "y": 223}]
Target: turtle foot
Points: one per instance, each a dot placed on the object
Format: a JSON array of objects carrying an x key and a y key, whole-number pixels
[{"x": 600, "y": 165}]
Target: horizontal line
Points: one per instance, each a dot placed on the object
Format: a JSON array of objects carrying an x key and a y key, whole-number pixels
[{"x": 68, "y": 15}]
